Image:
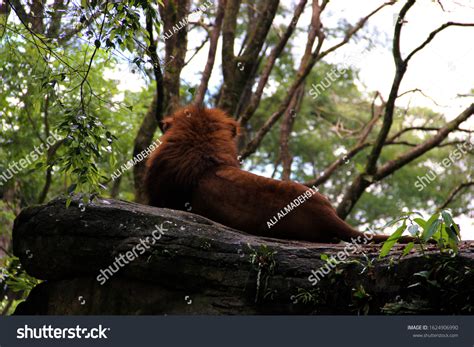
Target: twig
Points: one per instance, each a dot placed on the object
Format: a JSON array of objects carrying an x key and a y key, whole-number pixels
[
  {"x": 453, "y": 194},
  {"x": 96, "y": 48}
]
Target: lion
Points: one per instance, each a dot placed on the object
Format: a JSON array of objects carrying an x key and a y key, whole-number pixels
[{"x": 196, "y": 168}]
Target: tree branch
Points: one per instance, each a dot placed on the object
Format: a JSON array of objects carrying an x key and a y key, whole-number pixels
[
  {"x": 400, "y": 66},
  {"x": 238, "y": 71},
  {"x": 432, "y": 35},
  {"x": 68, "y": 34},
  {"x": 285, "y": 131},
  {"x": 453, "y": 194},
  {"x": 55, "y": 22},
  {"x": 49, "y": 171},
  {"x": 214, "y": 37},
  {"x": 393, "y": 165},
  {"x": 301, "y": 76},
  {"x": 19, "y": 11},
  {"x": 151, "y": 51},
  {"x": 270, "y": 63},
  {"x": 361, "y": 182}
]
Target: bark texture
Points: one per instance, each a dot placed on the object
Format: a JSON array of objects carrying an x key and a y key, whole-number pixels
[{"x": 200, "y": 267}]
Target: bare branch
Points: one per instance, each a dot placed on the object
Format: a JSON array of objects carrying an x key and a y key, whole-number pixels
[
  {"x": 390, "y": 106},
  {"x": 197, "y": 50},
  {"x": 376, "y": 114},
  {"x": 398, "y": 30},
  {"x": 362, "y": 181},
  {"x": 331, "y": 169},
  {"x": 267, "y": 69},
  {"x": 440, "y": 5},
  {"x": 352, "y": 31},
  {"x": 214, "y": 37},
  {"x": 393, "y": 165},
  {"x": 432, "y": 35},
  {"x": 401, "y": 132},
  {"x": 453, "y": 194},
  {"x": 417, "y": 90},
  {"x": 301, "y": 76},
  {"x": 285, "y": 131}
]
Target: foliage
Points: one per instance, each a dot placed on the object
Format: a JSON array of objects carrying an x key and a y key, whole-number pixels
[
  {"x": 306, "y": 297},
  {"x": 86, "y": 152},
  {"x": 17, "y": 280},
  {"x": 7, "y": 216},
  {"x": 262, "y": 260},
  {"x": 361, "y": 300},
  {"x": 446, "y": 287},
  {"x": 440, "y": 227}
]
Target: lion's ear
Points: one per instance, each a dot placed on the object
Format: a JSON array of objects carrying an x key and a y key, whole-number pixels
[{"x": 166, "y": 124}]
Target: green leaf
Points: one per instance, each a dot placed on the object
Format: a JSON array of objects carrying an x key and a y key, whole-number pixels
[
  {"x": 442, "y": 235},
  {"x": 396, "y": 220},
  {"x": 431, "y": 220},
  {"x": 359, "y": 167},
  {"x": 421, "y": 222},
  {"x": 431, "y": 230},
  {"x": 408, "y": 248},
  {"x": 425, "y": 274},
  {"x": 451, "y": 234},
  {"x": 71, "y": 188},
  {"x": 387, "y": 245},
  {"x": 447, "y": 218},
  {"x": 449, "y": 221},
  {"x": 453, "y": 244}
]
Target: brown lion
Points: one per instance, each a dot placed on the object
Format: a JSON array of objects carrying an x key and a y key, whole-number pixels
[{"x": 196, "y": 168}]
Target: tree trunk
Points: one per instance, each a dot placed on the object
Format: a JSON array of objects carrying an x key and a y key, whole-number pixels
[
  {"x": 143, "y": 139},
  {"x": 175, "y": 47}
]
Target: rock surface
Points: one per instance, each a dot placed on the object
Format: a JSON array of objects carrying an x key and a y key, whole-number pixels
[{"x": 196, "y": 266}]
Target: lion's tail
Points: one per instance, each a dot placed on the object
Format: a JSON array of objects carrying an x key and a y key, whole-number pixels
[{"x": 346, "y": 233}]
